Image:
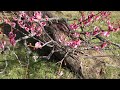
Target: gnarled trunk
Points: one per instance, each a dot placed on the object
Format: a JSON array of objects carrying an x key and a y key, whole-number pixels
[{"x": 85, "y": 68}]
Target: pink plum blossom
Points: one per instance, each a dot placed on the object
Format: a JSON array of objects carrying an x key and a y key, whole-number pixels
[
  {"x": 38, "y": 15},
  {"x": 105, "y": 33},
  {"x": 12, "y": 38},
  {"x": 87, "y": 34},
  {"x": 104, "y": 45},
  {"x": 13, "y": 24},
  {"x": 38, "y": 45}
]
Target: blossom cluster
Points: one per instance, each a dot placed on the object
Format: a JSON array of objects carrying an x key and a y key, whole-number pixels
[{"x": 33, "y": 24}]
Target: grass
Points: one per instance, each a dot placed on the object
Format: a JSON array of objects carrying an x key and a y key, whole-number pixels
[{"x": 44, "y": 69}]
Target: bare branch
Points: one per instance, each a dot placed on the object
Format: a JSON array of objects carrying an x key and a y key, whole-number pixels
[{"x": 6, "y": 64}]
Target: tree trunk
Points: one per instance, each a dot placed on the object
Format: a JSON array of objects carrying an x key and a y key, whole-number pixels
[{"x": 84, "y": 67}]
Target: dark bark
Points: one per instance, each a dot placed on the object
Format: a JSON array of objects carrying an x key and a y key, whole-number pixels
[{"x": 55, "y": 30}]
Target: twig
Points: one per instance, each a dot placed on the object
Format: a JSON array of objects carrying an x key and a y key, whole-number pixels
[
  {"x": 28, "y": 59},
  {"x": 17, "y": 58},
  {"x": 105, "y": 40},
  {"x": 6, "y": 64},
  {"x": 109, "y": 65},
  {"x": 25, "y": 37},
  {"x": 88, "y": 56},
  {"x": 62, "y": 62},
  {"x": 47, "y": 43},
  {"x": 49, "y": 56}
]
